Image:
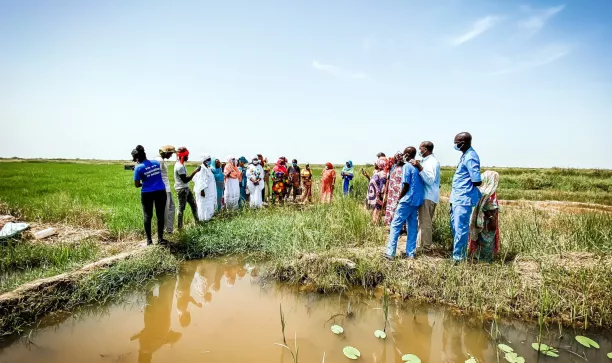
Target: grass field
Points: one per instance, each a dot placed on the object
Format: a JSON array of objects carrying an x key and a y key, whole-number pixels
[{"x": 553, "y": 264}]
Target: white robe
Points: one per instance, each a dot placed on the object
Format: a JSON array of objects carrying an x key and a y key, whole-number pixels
[
  {"x": 255, "y": 172},
  {"x": 205, "y": 180},
  {"x": 231, "y": 193}
]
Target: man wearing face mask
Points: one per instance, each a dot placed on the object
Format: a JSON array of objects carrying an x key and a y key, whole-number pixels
[
  {"x": 429, "y": 170},
  {"x": 465, "y": 194}
]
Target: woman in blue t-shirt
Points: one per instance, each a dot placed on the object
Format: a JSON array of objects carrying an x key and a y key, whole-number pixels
[{"x": 147, "y": 174}]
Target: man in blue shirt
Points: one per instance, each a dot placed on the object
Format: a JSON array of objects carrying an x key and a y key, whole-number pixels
[
  {"x": 410, "y": 199},
  {"x": 465, "y": 194}
]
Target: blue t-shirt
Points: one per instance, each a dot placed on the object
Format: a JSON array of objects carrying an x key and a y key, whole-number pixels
[
  {"x": 468, "y": 172},
  {"x": 416, "y": 192},
  {"x": 149, "y": 172}
]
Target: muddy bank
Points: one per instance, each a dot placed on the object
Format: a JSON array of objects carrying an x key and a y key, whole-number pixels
[
  {"x": 94, "y": 283},
  {"x": 574, "y": 289}
]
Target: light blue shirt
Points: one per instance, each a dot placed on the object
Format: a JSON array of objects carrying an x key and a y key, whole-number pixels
[
  {"x": 431, "y": 178},
  {"x": 415, "y": 195},
  {"x": 468, "y": 172}
]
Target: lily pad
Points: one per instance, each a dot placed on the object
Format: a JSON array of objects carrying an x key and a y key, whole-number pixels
[
  {"x": 411, "y": 358},
  {"x": 587, "y": 342},
  {"x": 337, "y": 329},
  {"x": 610, "y": 355},
  {"x": 380, "y": 334},
  {"x": 471, "y": 360},
  {"x": 351, "y": 353},
  {"x": 504, "y": 348},
  {"x": 545, "y": 349},
  {"x": 511, "y": 357}
]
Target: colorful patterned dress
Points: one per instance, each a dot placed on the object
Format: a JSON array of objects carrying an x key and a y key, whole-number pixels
[
  {"x": 393, "y": 193},
  {"x": 307, "y": 185},
  {"x": 376, "y": 190}
]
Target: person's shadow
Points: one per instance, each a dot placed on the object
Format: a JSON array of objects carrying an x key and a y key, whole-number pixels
[{"x": 157, "y": 315}]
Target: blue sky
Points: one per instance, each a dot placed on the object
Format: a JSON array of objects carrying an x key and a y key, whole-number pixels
[{"x": 313, "y": 80}]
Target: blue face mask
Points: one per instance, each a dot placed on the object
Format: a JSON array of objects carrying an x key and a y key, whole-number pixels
[
  {"x": 207, "y": 163},
  {"x": 457, "y": 147}
]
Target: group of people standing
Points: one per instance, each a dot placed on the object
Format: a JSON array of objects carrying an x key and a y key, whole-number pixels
[
  {"x": 404, "y": 190},
  {"x": 410, "y": 190}
]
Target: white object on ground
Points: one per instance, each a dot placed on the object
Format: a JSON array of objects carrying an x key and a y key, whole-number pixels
[
  {"x": 45, "y": 233},
  {"x": 12, "y": 229}
]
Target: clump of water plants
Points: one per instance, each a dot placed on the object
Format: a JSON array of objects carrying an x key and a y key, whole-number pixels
[
  {"x": 545, "y": 349},
  {"x": 296, "y": 350},
  {"x": 382, "y": 334}
]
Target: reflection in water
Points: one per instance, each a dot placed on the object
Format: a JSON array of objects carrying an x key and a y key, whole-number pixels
[
  {"x": 183, "y": 294},
  {"x": 222, "y": 314},
  {"x": 156, "y": 331}
]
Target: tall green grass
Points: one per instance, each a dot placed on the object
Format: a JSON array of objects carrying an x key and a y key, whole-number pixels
[{"x": 23, "y": 262}]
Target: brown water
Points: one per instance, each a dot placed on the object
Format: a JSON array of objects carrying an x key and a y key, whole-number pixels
[{"x": 220, "y": 312}]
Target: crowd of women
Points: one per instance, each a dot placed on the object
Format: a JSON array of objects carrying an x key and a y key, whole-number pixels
[{"x": 402, "y": 191}]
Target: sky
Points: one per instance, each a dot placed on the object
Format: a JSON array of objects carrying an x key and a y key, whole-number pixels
[{"x": 315, "y": 80}]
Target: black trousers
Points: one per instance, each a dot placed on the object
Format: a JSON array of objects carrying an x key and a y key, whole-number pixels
[
  {"x": 148, "y": 200},
  {"x": 185, "y": 196}
]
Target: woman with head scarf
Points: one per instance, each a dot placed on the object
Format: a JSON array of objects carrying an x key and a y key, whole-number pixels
[
  {"x": 328, "y": 179},
  {"x": 255, "y": 184},
  {"x": 242, "y": 167},
  {"x": 376, "y": 188},
  {"x": 262, "y": 164},
  {"x": 233, "y": 176},
  {"x": 217, "y": 172},
  {"x": 181, "y": 184},
  {"x": 394, "y": 187},
  {"x": 484, "y": 229},
  {"x": 294, "y": 179},
  {"x": 148, "y": 177},
  {"x": 307, "y": 184},
  {"x": 205, "y": 189},
  {"x": 279, "y": 179},
  {"x": 165, "y": 152},
  {"x": 347, "y": 174},
  {"x": 267, "y": 171}
]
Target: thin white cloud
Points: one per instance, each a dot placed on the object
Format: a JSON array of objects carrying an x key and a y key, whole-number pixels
[
  {"x": 538, "y": 18},
  {"x": 540, "y": 58},
  {"x": 339, "y": 71},
  {"x": 478, "y": 28}
]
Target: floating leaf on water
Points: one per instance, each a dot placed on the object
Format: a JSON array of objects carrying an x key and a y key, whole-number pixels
[
  {"x": 351, "y": 353},
  {"x": 337, "y": 329},
  {"x": 504, "y": 348},
  {"x": 380, "y": 334},
  {"x": 411, "y": 358},
  {"x": 471, "y": 360},
  {"x": 610, "y": 355},
  {"x": 545, "y": 349},
  {"x": 587, "y": 342},
  {"x": 511, "y": 357}
]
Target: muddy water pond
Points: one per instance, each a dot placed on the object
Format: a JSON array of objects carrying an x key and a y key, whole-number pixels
[{"x": 219, "y": 311}]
